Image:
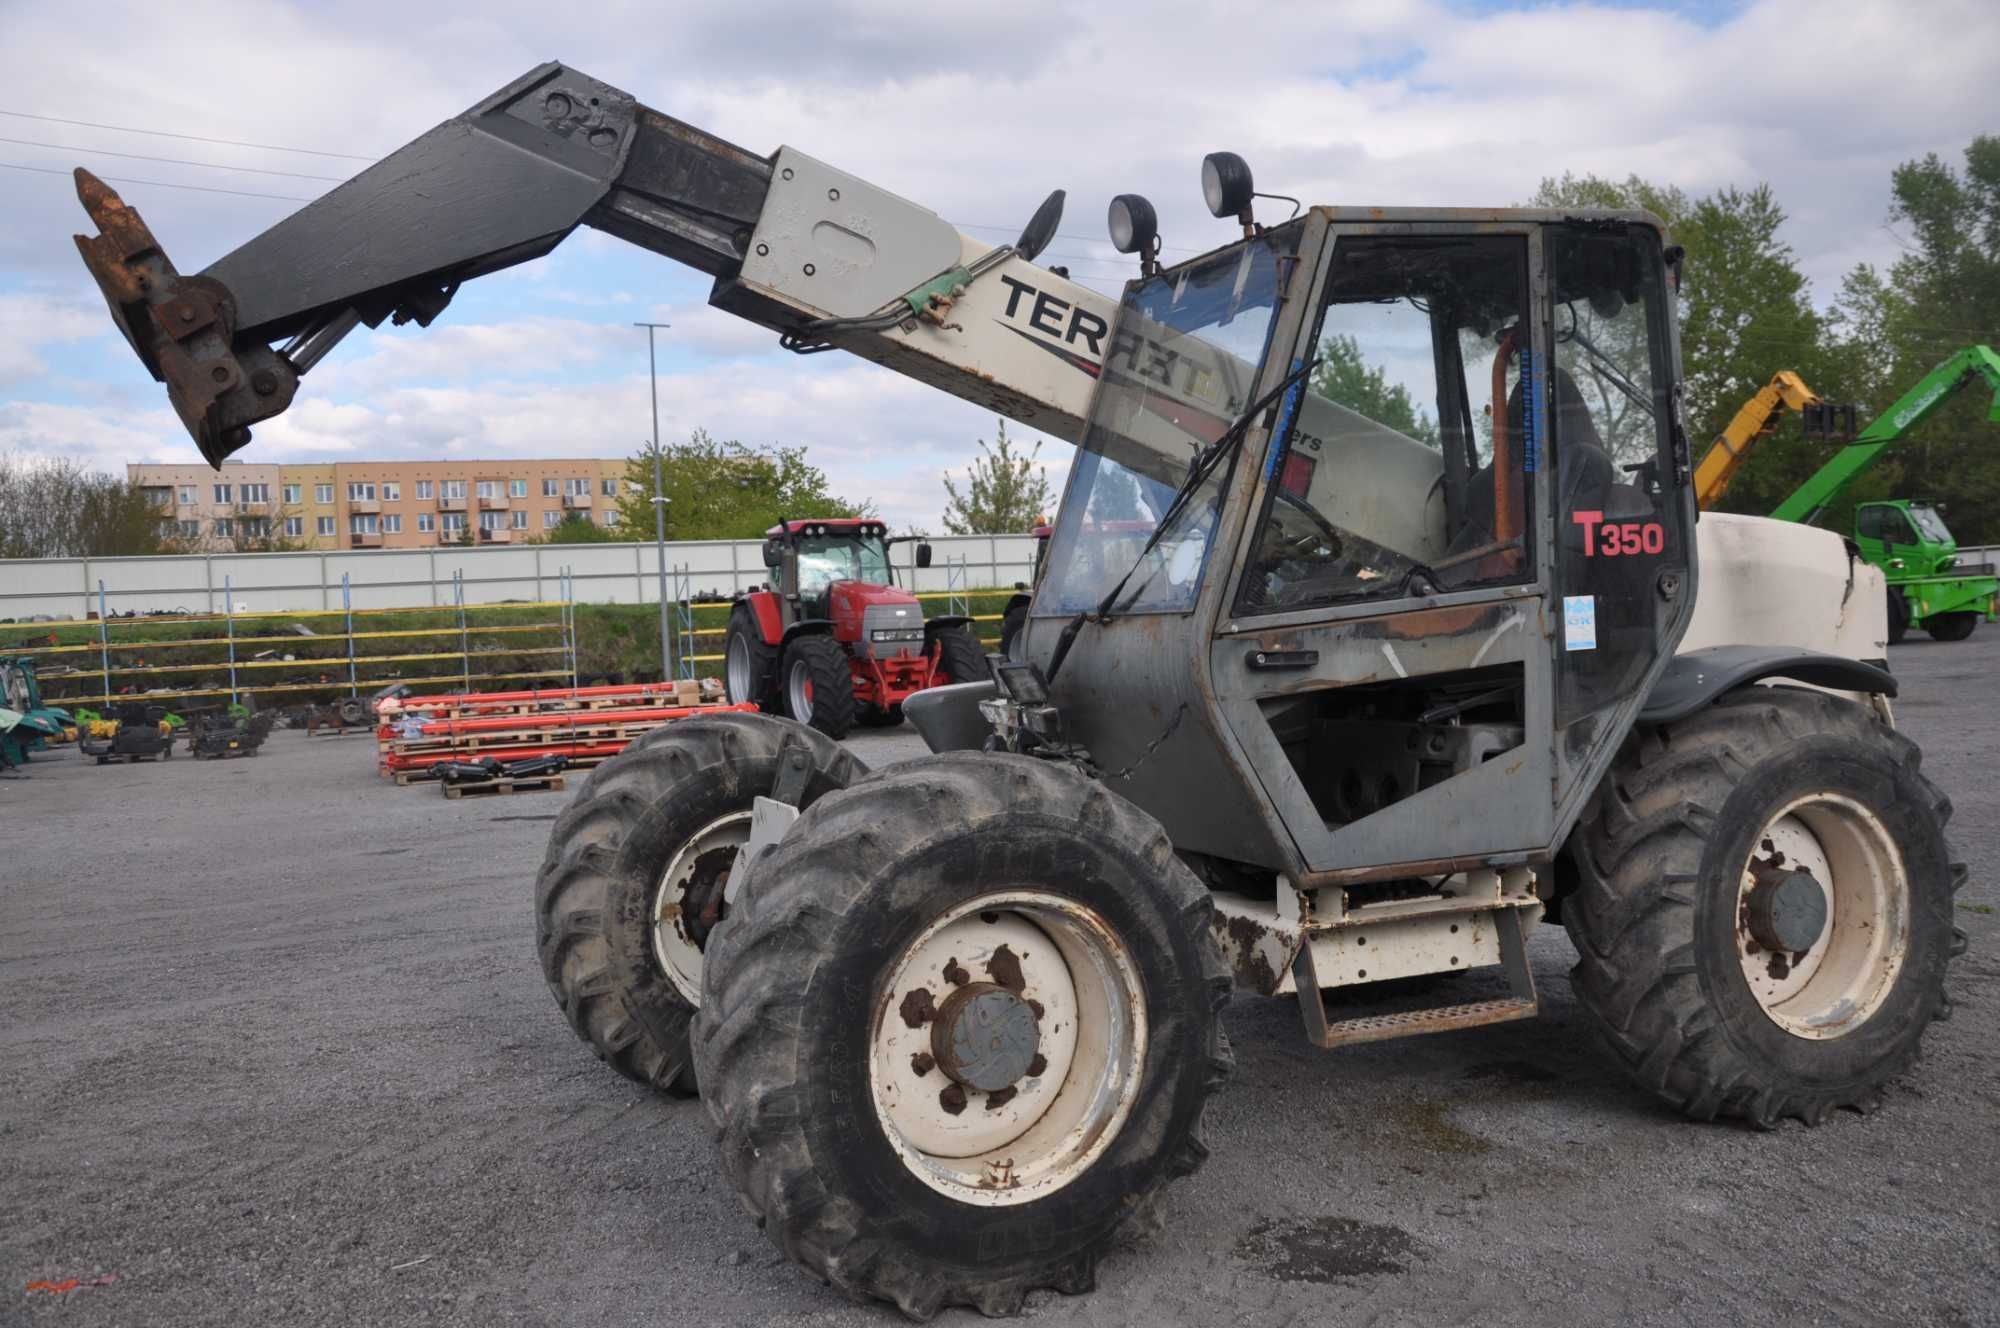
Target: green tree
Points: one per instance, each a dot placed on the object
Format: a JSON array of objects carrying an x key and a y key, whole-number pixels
[
  {"x": 725, "y": 490},
  {"x": 1745, "y": 312},
  {"x": 578, "y": 528},
  {"x": 1941, "y": 294},
  {"x": 1006, "y": 492},
  {"x": 56, "y": 508},
  {"x": 1344, "y": 377}
]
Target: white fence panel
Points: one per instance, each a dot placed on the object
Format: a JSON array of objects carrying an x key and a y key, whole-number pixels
[{"x": 412, "y": 578}]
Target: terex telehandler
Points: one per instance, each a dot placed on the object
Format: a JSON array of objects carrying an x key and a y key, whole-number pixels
[
  {"x": 1363, "y": 705},
  {"x": 832, "y": 640}
]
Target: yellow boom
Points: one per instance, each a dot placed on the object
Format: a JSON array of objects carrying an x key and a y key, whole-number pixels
[{"x": 1756, "y": 420}]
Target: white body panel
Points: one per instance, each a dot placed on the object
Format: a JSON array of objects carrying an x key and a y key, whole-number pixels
[{"x": 1765, "y": 582}]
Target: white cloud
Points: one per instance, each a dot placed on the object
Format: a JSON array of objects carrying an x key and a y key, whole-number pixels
[
  {"x": 30, "y": 323},
  {"x": 1370, "y": 102}
]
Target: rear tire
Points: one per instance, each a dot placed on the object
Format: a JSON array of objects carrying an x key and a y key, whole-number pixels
[
  {"x": 804, "y": 1044},
  {"x": 750, "y": 665},
  {"x": 1951, "y": 626},
  {"x": 1899, "y": 617},
  {"x": 819, "y": 685},
  {"x": 1011, "y": 627},
  {"x": 1690, "y": 816},
  {"x": 960, "y": 656},
  {"x": 597, "y": 896}
]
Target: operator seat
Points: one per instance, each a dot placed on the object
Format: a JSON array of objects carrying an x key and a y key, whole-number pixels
[{"x": 1584, "y": 475}]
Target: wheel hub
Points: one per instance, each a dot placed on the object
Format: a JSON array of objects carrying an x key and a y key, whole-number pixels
[
  {"x": 1785, "y": 910},
  {"x": 985, "y": 1037}
]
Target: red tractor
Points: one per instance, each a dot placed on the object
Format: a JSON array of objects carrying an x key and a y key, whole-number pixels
[{"x": 832, "y": 640}]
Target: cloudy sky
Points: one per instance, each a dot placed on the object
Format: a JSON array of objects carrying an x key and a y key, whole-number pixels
[{"x": 1377, "y": 102}]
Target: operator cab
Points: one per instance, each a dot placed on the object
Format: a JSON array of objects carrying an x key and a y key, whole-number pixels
[
  {"x": 1427, "y": 580},
  {"x": 806, "y": 558}
]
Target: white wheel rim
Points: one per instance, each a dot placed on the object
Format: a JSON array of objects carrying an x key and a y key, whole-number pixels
[
  {"x": 798, "y": 691},
  {"x": 673, "y": 945},
  {"x": 1003, "y": 1148},
  {"x": 1836, "y": 984},
  {"x": 738, "y": 669}
]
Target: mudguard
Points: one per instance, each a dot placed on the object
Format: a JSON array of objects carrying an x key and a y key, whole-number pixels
[
  {"x": 948, "y": 718},
  {"x": 1694, "y": 679}
]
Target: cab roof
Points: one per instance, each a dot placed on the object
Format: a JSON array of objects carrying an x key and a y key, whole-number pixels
[{"x": 829, "y": 525}]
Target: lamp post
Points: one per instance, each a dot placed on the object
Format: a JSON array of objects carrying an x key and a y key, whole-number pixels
[{"x": 659, "y": 499}]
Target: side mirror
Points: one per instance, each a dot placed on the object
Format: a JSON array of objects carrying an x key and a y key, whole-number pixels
[
  {"x": 1041, "y": 227},
  {"x": 774, "y": 552},
  {"x": 924, "y": 554}
]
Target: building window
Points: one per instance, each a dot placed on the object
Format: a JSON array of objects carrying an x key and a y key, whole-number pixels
[
  {"x": 454, "y": 488},
  {"x": 550, "y": 520},
  {"x": 491, "y": 520},
  {"x": 487, "y": 489},
  {"x": 222, "y": 493},
  {"x": 392, "y": 493},
  {"x": 256, "y": 527},
  {"x": 295, "y": 526},
  {"x": 426, "y": 522},
  {"x": 323, "y": 495},
  {"x": 224, "y": 527},
  {"x": 423, "y": 491},
  {"x": 360, "y": 493},
  {"x": 392, "y": 524},
  {"x": 517, "y": 488},
  {"x": 190, "y": 530},
  {"x": 161, "y": 498},
  {"x": 549, "y": 489},
  {"x": 256, "y": 495},
  {"x": 291, "y": 494},
  {"x": 610, "y": 488},
  {"x": 610, "y": 516},
  {"x": 520, "y": 518},
  {"x": 577, "y": 488},
  {"x": 187, "y": 495},
  {"x": 363, "y": 523},
  {"x": 454, "y": 521},
  {"x": 324, "y": 525}
]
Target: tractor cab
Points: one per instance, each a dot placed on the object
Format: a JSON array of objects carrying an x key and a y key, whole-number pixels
[
  {"x": 808, "y": 558},
  {"x": 1905, "y": 536}
]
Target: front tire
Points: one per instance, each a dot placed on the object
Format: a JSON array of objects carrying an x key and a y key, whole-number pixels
[
  {"x": 819, "y": 685},
  {"x": 622, "y": 955},
  {"x": 1763, "y": 911},
  {"x": 867, "y": 1155},
  {"x": 1899, "y": 616},
  {"x": 1951, "y": 626}
]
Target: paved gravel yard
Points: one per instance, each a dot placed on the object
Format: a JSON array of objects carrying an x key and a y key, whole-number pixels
[{"x": 276, "y": 1050}]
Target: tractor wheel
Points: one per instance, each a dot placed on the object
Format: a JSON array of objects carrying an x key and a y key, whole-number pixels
[
  {"x": 819, "y": 685},
  {"x": 875, "y": 717},
  {"x": 1899, "y": 616},
  {"x": 1951, "y": 626},
  {"x": 960, "y": 656},
  {"x": 877, "y": 1140},
  {"x": 1763, "y": 909},
  {"x": 633, "y": 877},
  {"x": 748, "y": 661},
  {"x": 1010, "y": 629}
]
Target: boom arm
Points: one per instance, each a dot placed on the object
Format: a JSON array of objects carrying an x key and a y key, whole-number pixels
[
  {"x": 816, "y": 255},
  {"x": 1914, "y": 407},
  {"x": 1726, "y": 455}
]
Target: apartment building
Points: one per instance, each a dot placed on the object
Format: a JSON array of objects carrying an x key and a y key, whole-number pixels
[{"x": 380, "y": 504}]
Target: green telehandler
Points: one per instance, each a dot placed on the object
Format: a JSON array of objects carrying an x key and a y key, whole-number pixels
[{"x": 1928, "y": 586}]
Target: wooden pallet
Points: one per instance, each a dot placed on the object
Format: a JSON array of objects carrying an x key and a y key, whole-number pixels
[{"x": 531, "y": 784}]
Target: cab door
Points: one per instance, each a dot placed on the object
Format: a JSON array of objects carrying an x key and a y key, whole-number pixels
[{"x": 1384, "y": 657}]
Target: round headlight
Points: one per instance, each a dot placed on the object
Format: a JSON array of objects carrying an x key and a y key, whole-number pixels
[
  {"x": 1132, "y": 223},
  {"x": 1225, "y": 183}
]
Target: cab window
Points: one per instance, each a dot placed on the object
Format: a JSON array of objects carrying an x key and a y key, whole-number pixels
[{"x": 1405, "y": 471}]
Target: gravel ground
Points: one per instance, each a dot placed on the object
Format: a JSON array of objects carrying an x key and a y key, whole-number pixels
[{"x": 277, "y": 1051}]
